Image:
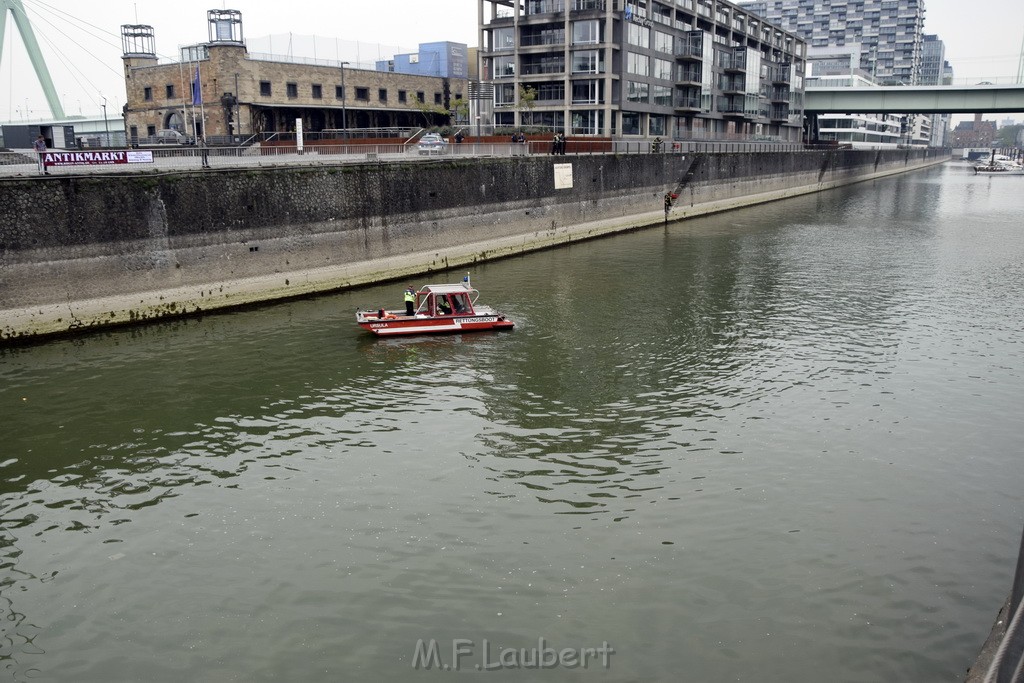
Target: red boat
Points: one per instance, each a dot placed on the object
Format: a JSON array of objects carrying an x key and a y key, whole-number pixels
[{"x": 437, "y": 309}]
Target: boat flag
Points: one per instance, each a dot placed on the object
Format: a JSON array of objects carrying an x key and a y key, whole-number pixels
[{"x": 197, "y": 90}]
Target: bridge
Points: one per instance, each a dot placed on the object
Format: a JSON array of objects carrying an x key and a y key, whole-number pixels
[{"x": 916, "y": 99}]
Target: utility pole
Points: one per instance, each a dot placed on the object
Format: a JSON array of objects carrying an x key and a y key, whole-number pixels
[
  {"x": 344, "y": 96},
  {"x": 106, "y": 126}
]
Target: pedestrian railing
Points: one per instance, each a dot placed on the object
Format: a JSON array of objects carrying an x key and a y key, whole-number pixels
[{"x": 286, "y": 152}]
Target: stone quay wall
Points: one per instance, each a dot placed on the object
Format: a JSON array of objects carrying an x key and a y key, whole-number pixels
[{"x": 80, "y": 252}]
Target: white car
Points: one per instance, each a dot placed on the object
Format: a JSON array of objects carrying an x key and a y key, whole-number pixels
[{"x": 432, "y": 143}]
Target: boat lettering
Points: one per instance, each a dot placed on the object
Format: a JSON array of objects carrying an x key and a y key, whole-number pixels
[{"x": 483, "y": 319}]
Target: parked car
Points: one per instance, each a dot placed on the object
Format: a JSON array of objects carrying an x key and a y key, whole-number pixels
[
  {"x": 169, "y": 136},
  {"x": 432, "y": 143}
]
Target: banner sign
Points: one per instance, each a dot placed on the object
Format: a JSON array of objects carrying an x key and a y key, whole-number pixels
[{"x": 96, "y": 158}]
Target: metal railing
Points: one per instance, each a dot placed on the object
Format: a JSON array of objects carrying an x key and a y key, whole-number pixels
[
  {"x": 187, "y": 158},
  {"x": 1008, "y": 664}
]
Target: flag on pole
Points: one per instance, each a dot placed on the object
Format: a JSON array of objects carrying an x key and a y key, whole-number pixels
[{"x": 197, "y": 90}]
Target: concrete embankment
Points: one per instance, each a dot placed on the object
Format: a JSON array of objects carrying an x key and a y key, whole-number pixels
[{"x": 79, "y": 252}]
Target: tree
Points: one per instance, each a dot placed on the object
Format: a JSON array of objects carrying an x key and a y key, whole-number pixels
[
  {"x": 1009, "y": 136},
  {"x": 430, "y": 111},
  {"x": 460, "y": 111},
  {"x": 527, "y": 97}
]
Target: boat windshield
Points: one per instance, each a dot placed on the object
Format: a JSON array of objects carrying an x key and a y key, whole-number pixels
[{"x": 460, "y": 303}]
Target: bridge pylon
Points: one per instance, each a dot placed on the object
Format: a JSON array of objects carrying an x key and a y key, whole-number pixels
[{"x": 28, "y": 37}]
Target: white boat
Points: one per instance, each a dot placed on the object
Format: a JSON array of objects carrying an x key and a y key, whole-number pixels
[{"x": 998, "y": 167}]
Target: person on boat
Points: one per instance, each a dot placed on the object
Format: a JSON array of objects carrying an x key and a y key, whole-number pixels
[
  {"x": 443, "y": 307},
  {"x": 410, "y": 300}
]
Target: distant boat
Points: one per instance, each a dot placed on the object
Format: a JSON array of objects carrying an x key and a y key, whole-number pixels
[
  {"x": 999, "y": 166},
  {"x": 437, "y": 309}
]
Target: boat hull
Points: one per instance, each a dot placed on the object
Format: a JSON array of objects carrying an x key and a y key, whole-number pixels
[{"x": 403, "y": 325}]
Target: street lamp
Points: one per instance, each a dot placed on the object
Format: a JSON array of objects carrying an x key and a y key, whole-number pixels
[
  {"x": 106, "y": 126},
  {"x": 344, "y": 112}
]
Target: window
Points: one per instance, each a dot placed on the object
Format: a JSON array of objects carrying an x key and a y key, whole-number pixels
[
  {"x": 630, "y": 123},
  {"x": 150, "y": 131},
  {"x": 382, "y": 94},
  {"x": 638, "y": 35},
  {"x": 661, "y": 95},
  {"x": 339, "y": 92},
  {"x": 504, "y": 39},
  {"x": 662, "y": 42},
  {"x": 504, "y": 94},
  {"x": 504, "y": 67},
  {"x": 292, "y": 90},
  {"x": 318, "y": 91},
  {"x": 586, "y": 92},
  {"x": 585, "y": 62},
  {"x": 656, "y": 125},
  {"x": 363, "y": 94},
  {"x": 170, "y": 92},
  {"x": 437, "y": 98},
  {"x": 401, "y": 96},
  {"x": 265, "y": 88},
  {"x": 638, "y": 64},
  {"x": 663, "y": 69},
  {"x": 586, "y": 32},
  {"x": 637, "y": 92},
  {"x": 147, "y": 94}
]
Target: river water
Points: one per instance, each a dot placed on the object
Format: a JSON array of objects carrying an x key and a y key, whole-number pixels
[{"x": 776, "y": 444}]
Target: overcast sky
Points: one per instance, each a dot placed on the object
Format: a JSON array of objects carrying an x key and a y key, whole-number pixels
[{"x": 81, "y": 42}]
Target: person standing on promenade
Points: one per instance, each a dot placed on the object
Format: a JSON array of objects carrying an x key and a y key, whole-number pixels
[{"x": 40, "y": 147}]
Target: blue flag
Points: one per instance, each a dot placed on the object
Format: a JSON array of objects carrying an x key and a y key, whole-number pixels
[
  {"x": 197, "y": 90},
  {"x": 628, "y": 13}
]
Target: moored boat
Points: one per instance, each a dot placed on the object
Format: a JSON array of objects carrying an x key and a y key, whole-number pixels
[
  {"x": 437, "y": 309},
  {"x": 998, "y": 164},
  {"x": 999, "y": 169}
]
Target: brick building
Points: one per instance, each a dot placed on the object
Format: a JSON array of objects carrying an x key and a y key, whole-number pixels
[
  {"x": 218, "y": 88},
  {"x": 976, "y": 133}
]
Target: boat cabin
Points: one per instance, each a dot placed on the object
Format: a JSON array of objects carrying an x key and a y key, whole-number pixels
[{"x": 435, "y": 300}]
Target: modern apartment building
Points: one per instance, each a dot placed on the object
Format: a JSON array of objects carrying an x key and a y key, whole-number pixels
[
  {"x": 889, "y": 32},
  {"x": 839, "y": 67},
  {"x": 684, "y": 69}
]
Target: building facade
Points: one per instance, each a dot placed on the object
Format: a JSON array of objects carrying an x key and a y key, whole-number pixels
[
  {"x": 444, "y": 60},
  {"x": 839, "y": 67},
  {"x": 219, "y": 89},
  {"x": 889, "y": 32},
  {"x": 684, "y": 69}
]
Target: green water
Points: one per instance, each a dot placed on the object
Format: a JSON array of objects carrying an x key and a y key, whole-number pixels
[{"x": 777, "y": 444}]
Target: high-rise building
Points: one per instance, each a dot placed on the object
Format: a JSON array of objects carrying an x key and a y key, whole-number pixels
[
  {"x": 889, "y": 32},
  {"x": 616, "y": 68},
  {"x": 933, "y": 72},
  {"x": 933, "y": 59}
]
